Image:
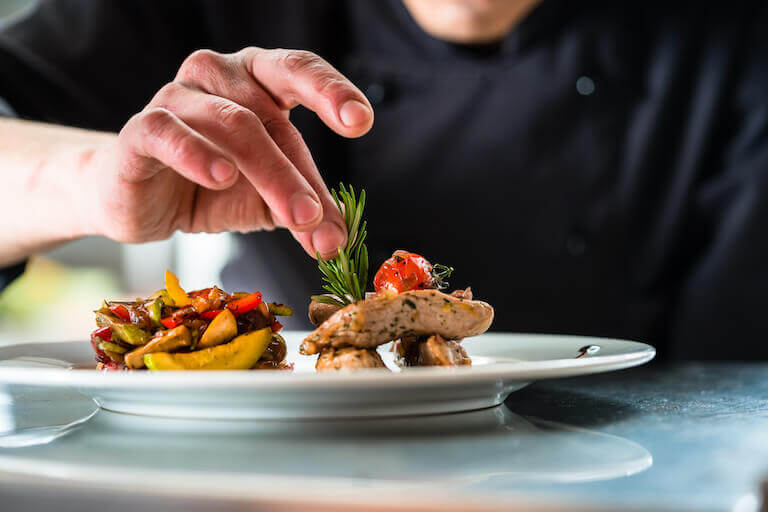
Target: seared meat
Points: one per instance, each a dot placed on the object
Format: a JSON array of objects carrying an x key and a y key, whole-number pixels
[
  {"x": 434, "y": 351},
  {"x": 439, "y": 352},
  {"x": 386, "y": 317},
  {"x": 319, "y": 312},
  {"x": 348, "y": 358},
  {"x": 463, "y": 294}
]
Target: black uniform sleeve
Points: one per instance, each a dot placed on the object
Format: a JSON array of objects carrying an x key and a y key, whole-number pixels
[
  {"x": 722, "y": 310},
  {"x": 94, "y": 63}
]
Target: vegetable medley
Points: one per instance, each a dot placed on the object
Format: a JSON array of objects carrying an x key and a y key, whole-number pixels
[{"x": 206, "y": 329}]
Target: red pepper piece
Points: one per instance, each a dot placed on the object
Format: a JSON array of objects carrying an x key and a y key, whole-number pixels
[
  {"x": 276, "y": 327},
  {"x": 96, "y": 339},
  {"x": 110, "y": 366},
  {"x": 105, "y": 333},
  {"x": 120, "y": 311},
  {"x": 170, "y": 321},
  {"x": 244, "y": 305},
  {"x": 210, "y": 315}
]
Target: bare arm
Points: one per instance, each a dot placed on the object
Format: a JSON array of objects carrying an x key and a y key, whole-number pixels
[
  {"x": 45, "y": 182},
  {"x": 213, "y": 151}
]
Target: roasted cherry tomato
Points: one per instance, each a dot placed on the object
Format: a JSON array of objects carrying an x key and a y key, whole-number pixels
[{"x": 404, "y": 271}]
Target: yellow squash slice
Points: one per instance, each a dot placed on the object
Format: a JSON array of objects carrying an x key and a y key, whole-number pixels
[
  {"x": 242, "y": 353},
  {"x": 175, "y": 291}
]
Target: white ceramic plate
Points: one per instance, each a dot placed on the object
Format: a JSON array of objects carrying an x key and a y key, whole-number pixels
[{"x": 502, "y": 363}]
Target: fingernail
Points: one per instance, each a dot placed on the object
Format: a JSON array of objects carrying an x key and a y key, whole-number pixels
[
  {"x": 304, "y": 209},
  {"x": 222, "y": 170},
  {"x": 327, "y": 237},
  {"x": 354, "y": 113}
]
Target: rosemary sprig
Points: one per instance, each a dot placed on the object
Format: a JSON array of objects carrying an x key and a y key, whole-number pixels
[
  {"x": 440, "y": 273},
  {"x": 346, "y": 275}
]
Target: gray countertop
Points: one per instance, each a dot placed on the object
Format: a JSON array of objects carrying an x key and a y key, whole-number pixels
[
  {"x": 686, "y": 437},
  {"x": 706, "y": 426}
]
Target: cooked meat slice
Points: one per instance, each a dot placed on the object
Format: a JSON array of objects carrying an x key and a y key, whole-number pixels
[
  {"x": 439, "y": 352},
  {"x": 463, "y": 294},
  {"x": 348, "y": 358},
  {"x": 319, "y": 312},
  {"x": 168, "y": 341},
  {"x": 406, "y": 350},
  {"x": 433, "y": 351},
  {"x": 371, "y": 322}
]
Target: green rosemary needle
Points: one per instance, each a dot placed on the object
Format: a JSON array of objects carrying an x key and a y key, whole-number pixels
[{"x": 346, "y": 275}]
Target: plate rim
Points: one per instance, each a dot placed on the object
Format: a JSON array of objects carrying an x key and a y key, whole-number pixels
[{"x": 638, "y": 354}]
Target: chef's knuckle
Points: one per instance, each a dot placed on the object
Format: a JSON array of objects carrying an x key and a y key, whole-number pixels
[
  {"x": 300, "y": 61},
  {"x": 235, "y": 118},
  {"x": 167, "y": 93},
  {"x": 187, "y": 150},
  {"x": 156, "y": 123},
  {"x": 200, "y": 65},
  {"x": 327, "y": 83}
]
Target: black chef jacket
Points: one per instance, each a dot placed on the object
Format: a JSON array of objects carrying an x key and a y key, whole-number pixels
[{"x": 602, "y": 170}]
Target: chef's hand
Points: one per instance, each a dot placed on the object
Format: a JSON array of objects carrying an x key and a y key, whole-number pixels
[{"x": 215, "y": 151}]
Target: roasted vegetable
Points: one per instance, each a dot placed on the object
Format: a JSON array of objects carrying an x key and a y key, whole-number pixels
[
  {"x": 174, "y": 323},
  {"x": 108, "y": 346},
  {"x": 129, "y": 333},
  {"x": 221, "y": 329},
  {"x": 175, "y": 291},
  {"x": 280, "y": 309},
  {"x": 241, "y": 353},
  {"x": 245, "y": 304},
  {"x": 166, "y": 341},
  {"x": 155, "y": 311},
  {"x": 406, "y": 271}
]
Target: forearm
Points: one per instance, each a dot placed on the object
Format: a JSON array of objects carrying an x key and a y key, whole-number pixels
[{"x": 46, "y": 185}]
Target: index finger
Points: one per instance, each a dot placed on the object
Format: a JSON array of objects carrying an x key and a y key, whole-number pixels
[{"x": 297, "y": 77}]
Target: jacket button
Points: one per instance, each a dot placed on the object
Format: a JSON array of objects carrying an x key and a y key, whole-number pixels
[
  {"x": 375, "y": 93},
  {"x": 585, "y": 85}
]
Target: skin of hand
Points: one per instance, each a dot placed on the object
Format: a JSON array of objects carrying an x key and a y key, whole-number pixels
[{"x": 213, "y": 151}]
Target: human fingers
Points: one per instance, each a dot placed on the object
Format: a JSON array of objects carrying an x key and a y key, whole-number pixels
[
  {"x": 297, "y": 77},
  {"x": 227, "y": 78},
  {"x": 156, "y": 139},
  {"x": 243, "y": 137}
]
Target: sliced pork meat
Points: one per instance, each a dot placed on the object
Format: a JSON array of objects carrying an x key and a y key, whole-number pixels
[
  {"x": 348, "y": 358},
  {"x": 439, "y": 352},
  {"x": 389, "y": 316},
  {"x": 432, "y": 351}
]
